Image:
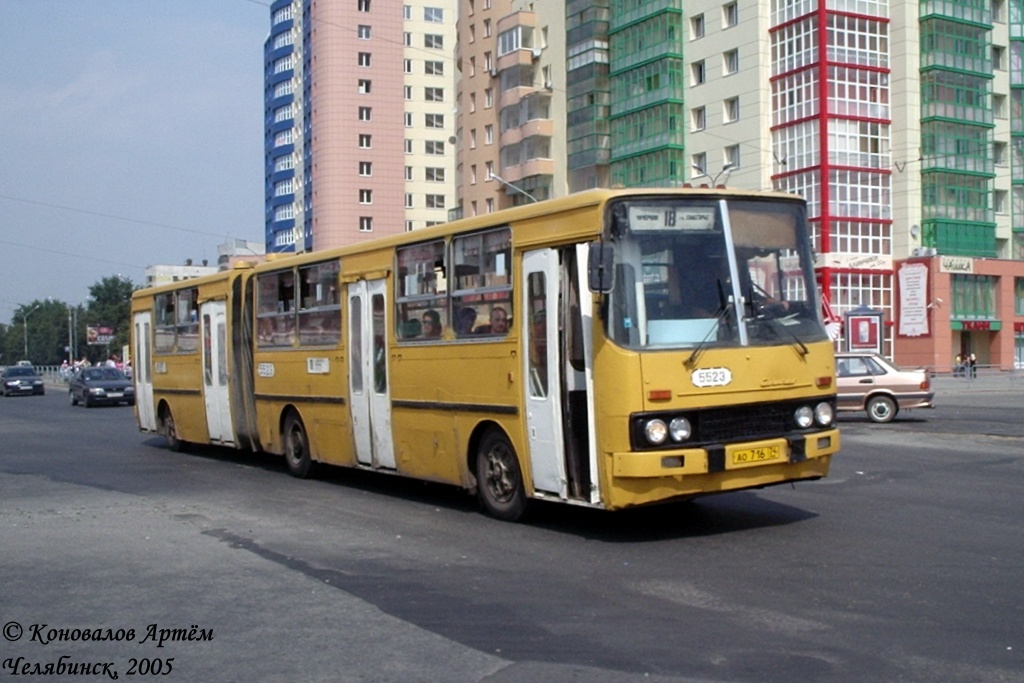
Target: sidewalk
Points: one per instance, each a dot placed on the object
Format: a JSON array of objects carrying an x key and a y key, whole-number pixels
[{"x": 988, "y": 379}]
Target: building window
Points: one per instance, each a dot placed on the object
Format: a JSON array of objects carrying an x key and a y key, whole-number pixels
[
  {"x": 698, "y": 118},
  {"x": 366, "y": 168},
  {"x": 407, "y": 12},
  {"x": 366, "y": 196},
  {"x": 409, "y": 200},
  {"x": 365, "y": 223},
  {"x": 433, "y": 68},
  {"x": 488, "y": 134},
  {"x": 731, "y": 109},
  {"x": 488, "y": 98},
  {"x": 435, "y": 201},
  {"x": 408, "y": 92},
  {"x": 363, "y": 32},
  {"x": 364, "y": 86},
  {"x": 284, "y": 64},
  {"x": 365, "y": 113},
  {"x": 732, "y": 155},
  {"x": 364, "y": 59},
  {"x": 408, "y": 119},
  {"x": 408, "y": 146},
  {"x": 487, "y": 28},
  {"x": 407, "y": 39},
  {"x": 434, "y": 147},
  {"x": 697, "y": 27},
  {"x": 509, "y": 41},
  {"x": 697, "y": 74},
  {"x": 365, "y": 141},
  {"x": 730, "y": 15},
  {"x": 408, "y": 172},
  {"x": 435, "y": 175},
  {"x": 698, "y": 165},
  {"x": 433, "y": 41},
  {"x": 434, "y": 120},
  {"x": 408, "y": 66},
  {"x": 730, "y": 62},
  {"x": 999, "y": 201},
  {"x": 433, "y": 94},
  {"x": 434, "y": 15},
  {"x": 363, "y": 5}
]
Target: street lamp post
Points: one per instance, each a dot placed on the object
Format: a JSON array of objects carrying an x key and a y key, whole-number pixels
[{"x": 24, "y": 326}]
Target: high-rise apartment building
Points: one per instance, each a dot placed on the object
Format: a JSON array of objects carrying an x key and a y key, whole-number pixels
[
  {"x": 901, "y": 123},
  {"x": 511, "y": 61},
  {"x": 360, "y": 120}
]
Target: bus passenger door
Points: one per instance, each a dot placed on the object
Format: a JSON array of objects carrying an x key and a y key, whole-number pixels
[
  {"x": 142, "y": 369},
  {"x": 539, "y": 325},
  {"x": 370, "y": 398},
  {"x": 215, "y": 372}
]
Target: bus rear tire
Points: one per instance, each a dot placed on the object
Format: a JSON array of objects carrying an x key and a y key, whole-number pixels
[
  {"x": 499, "y": 480},
  {"x": 174, "y": 443},
  {"x": 296, "y": 447}
]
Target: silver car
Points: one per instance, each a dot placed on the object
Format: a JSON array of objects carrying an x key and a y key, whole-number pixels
[{"x": 869, "y": 382}]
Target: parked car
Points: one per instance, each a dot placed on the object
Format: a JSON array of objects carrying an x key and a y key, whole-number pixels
[
  {"x": 100, "y": 385},
  {"x": 21, "y": 379},
  {"x": 869, "y": 382}
]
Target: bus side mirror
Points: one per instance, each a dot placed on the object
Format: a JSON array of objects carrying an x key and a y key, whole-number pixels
[{"x": 601, "y": 267}]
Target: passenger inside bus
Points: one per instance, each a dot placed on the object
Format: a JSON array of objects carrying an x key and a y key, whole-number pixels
[
  {"x": 432, "y": 324},
  {"x": 498, "y": 324},
  {"x": 464, "y": 321}
]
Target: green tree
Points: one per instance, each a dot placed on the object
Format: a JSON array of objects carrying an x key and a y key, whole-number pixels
[
  {"x": 109, "y": 305},
  {"x": 38, "y": 332}
]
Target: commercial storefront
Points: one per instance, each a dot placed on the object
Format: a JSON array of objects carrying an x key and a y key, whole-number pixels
[{"x": 950, "y": 305}]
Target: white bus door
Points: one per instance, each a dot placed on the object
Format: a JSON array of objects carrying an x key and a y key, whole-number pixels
[
  {"x": 216, "y": 394},
  {"x": 369, "y": 394},
  {"x": 539, "y": 325},
  {"x": 142, "y": 371}
]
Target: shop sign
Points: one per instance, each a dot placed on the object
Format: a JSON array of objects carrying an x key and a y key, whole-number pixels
[{"x": 959, "y": 265}]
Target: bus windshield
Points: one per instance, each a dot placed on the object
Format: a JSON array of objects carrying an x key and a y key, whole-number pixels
[{"x": 711, "y": 272}]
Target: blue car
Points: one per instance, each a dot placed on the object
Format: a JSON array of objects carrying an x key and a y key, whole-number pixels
[
  {"x": 21, "y": 379},
  {"x": 100, "y": 386}
]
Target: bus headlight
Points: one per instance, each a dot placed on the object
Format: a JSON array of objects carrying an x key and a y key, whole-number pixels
[
  {"x": 679, "y": 429},
  {"x": 824, "y": 414},
  {"x": 656, "y": 431},
  {"x": 804, "y": 417}
]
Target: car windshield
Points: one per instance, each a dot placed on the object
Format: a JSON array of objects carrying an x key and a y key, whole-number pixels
[
  {"x": 20, "y": 372},
  {"x": 710, "y": 272},
  {"x": 101, "y": 374}
]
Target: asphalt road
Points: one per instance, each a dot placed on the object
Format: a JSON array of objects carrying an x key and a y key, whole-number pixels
[{"x": 905, "y": 564}]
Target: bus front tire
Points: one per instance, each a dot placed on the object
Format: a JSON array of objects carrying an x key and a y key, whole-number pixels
[
  {"x": 499, "y": 480},
  {"x": 296, "y": 447}
]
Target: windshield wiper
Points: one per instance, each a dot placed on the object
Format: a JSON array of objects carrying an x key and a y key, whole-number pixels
[{"x": 720, "y": 316}]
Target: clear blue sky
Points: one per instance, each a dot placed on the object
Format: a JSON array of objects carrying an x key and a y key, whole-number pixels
[{"x": 132, "y": 134}]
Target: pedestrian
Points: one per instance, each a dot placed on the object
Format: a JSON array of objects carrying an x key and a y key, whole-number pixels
[
  {"x": 958, "y": 365},
  {"x": 973, "y": 362}
]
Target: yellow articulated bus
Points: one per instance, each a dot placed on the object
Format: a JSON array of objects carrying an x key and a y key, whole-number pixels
[{"x": 610, "y": 349}]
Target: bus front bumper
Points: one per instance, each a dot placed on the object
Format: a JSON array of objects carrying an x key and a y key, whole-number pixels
[{"x": 746, "y": 456}]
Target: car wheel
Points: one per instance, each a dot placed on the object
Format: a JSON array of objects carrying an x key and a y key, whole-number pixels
[
  {"x": 499, "y": 481},
  {"x": 882, "y": 409},
  {"x": 86, "y": 401},
  {"x": 296, "y": 447},
  {"x": 74, "y": 399}
]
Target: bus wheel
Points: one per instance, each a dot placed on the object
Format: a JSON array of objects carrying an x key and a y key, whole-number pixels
[
  {"x": 296, "y": 447},
  {"x": 170, "y": 431},
  {"x": 881, "y": 409},
  {"x": 499, "y": 481}
]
